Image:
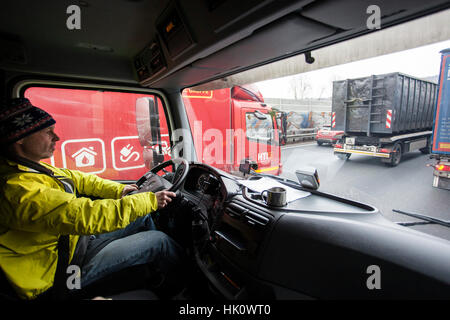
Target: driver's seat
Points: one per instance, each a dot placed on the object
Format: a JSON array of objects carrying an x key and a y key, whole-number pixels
[{"x": 126, "y": 284}]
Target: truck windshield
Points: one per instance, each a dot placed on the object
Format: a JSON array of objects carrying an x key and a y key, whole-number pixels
[
  {"x": 259, "y": 127},
  {"x": 366, "y": 126}
]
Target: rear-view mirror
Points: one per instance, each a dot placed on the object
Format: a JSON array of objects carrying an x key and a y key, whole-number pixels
[
  {"x": 246, "y": 165},
  {"x": 152, "y": 157},
  {"x": 147, "y": 122},
  {"x": 149, "y": 130},
  {"x": 259, "y": 115}
]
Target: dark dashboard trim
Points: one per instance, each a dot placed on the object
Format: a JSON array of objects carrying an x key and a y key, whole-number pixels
[{"x": 368, "y": 208}]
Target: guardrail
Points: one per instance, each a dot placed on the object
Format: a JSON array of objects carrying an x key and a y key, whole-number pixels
[{"x": 301, "y": 135}]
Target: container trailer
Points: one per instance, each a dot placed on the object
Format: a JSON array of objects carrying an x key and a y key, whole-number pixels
[{"x": 383, "y": 116}]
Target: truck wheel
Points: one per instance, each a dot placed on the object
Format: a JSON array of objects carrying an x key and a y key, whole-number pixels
[
  {"x": 396, "y": 155},
  {"x": 343, "y": 156},
  {"x": 319, "y": 142},
  {"x": 425, "y": 150}
]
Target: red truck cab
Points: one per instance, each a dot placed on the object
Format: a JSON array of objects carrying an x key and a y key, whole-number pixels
[{"x": 231, "y": 125}]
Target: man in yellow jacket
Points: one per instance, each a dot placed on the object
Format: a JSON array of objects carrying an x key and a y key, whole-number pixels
[{"x": 39, "y": 205}]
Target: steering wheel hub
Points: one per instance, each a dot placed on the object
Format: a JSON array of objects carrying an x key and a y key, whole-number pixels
[{"x": 151, "y": 181}]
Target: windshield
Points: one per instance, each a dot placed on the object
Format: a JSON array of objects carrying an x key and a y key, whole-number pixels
[
  {"x": 386, "y": 97},
  {"x": 362, "y": 177},
  {"x": 258, "y": 126}
]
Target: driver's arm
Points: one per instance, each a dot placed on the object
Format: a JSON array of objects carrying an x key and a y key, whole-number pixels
[
  {"x": 32, "y": 203},
  {"x": 92, "y": 185}
]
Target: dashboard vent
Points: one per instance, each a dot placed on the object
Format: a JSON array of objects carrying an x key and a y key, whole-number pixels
[
  {"x": 250, "y": 217},
  {"x": 235, "y": 211}
]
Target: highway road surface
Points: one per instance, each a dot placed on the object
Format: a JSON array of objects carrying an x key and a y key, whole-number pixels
[{"x": 407, "y": 187}]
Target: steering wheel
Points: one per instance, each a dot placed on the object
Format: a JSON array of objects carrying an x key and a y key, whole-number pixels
[
  {"x": 180, "y": 174},
  {"x": 150, "y": 181}
]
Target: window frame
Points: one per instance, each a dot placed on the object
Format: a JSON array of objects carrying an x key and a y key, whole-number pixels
[{"x": 20, "y": 87}]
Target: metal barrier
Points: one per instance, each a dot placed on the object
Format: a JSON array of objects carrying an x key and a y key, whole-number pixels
[{"x": 301, "y": 135}]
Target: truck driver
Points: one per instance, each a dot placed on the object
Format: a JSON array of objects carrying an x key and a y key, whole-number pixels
[{"x": 46, "y": 225}]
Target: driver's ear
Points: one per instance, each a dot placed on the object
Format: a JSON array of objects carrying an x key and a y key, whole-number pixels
[{"x": 15, "y": 147}]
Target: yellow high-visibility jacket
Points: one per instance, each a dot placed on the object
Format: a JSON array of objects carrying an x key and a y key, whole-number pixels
[{"x": 35, "y": 210}]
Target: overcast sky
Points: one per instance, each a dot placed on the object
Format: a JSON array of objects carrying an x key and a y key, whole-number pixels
[{"x": 419, "y": 62}]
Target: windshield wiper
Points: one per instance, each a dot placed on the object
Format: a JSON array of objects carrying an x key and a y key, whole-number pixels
[{"x": 428, "y": 219}]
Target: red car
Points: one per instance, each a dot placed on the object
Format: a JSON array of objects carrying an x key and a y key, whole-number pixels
[{"x": 326, "y": 135}]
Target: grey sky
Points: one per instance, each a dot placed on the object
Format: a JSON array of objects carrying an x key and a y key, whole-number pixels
[{"x": 419, "y": 62}]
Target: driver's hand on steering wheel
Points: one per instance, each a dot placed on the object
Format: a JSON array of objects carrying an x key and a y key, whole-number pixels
[
  {"x": 129, "y": 188},
  {"x": 164, "y": 197}
]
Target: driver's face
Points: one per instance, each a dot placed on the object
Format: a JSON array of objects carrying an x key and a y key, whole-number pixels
[{"x": 39, "y": 145}]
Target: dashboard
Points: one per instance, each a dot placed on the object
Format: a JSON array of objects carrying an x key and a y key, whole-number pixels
[
  {"x": 232, "y": 233},
  {"x": 314, "y": 247},
  {"x": 201, "y": 180}
]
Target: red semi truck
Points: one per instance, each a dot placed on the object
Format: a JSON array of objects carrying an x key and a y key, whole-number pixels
[
  {"x": 228, "y": 125},
  {"x": 235, "y": 124}
]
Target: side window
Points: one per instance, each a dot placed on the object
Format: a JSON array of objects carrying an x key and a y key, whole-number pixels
[
  {"x": 259, "y": 126},
  {"x": 98, "y": 131}
]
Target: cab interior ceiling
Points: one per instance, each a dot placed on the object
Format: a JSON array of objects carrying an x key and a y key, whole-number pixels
[{"x": 226, "y": 36}]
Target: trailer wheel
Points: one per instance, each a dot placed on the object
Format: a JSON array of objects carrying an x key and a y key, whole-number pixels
[
  {"x": 396, "y": 156},
  {"x": 343, "y": 156},
  {"x": 427, "y": 149}
]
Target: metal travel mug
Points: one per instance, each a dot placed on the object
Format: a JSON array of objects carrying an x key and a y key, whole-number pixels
[{"x": 276, "y": 197}]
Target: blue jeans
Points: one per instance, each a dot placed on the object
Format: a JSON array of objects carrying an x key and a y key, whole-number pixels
[{"x": 138, "y": 243}]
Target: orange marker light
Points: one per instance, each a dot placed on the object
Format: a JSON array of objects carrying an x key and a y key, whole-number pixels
[{"x": 169, "y": 27}]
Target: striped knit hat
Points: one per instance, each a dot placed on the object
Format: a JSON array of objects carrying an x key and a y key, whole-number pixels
[{"x": 20, "y": 119}]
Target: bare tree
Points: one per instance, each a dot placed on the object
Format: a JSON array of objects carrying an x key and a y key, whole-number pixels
[
  {"x": 299, "y": 86},
  {"x": 322, "y": 90}
]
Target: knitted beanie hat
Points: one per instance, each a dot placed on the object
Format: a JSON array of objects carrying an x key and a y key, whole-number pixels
[{"x": 20, "y": 119}]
